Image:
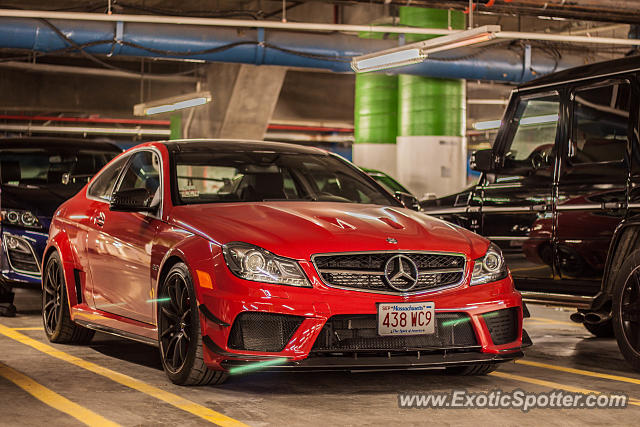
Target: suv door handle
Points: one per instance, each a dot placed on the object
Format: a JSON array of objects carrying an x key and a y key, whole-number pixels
[{"x": 99, "y": 219}]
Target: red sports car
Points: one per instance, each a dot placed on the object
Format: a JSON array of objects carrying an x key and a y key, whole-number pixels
[{"x": 231, "y": 256}]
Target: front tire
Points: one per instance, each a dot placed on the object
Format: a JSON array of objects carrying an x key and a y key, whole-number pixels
[
  {"x": 56, "y": 319},
  {"x": 626, "y": 309},
  {"x": 179, "y": 331}
]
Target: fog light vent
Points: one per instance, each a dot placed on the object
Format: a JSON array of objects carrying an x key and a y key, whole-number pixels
[
  {"x": 263, "y": 331},
  {"x": 502, "y": 325}
]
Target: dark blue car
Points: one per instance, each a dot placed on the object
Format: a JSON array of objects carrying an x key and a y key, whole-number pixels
[{"x": 37, "y": 175}]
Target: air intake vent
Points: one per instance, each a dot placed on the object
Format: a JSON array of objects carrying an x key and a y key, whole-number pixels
[
  {"x": 353, "y": 333},
  {"x": 502, "y": 325},
  {"x": 263, "y": 331}
]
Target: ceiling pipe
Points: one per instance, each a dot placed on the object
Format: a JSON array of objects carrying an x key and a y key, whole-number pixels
[
  {"x": 137, "y": 131},
  {"x": 219, "y": 22},
  {"x": 89, "y": 71},
  {"x": 277, "y": 47},
  {"x": 623, "y": 11}
]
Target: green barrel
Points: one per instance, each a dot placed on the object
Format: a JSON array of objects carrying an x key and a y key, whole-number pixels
[
  {"x": 376, "y": 108},
  {"x": 428, "y": 106}
]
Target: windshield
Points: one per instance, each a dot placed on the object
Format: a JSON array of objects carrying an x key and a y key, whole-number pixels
[
  {"x": 388, "y": 183},
  {"x": 48, "y": 166},
  {"x": 269, "y": 176}
]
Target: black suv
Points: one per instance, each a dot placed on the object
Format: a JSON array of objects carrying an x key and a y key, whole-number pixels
[{"x": 560, "y": 194}]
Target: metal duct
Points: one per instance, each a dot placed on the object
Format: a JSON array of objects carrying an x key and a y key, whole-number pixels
[{"x": 273, "y": 47}]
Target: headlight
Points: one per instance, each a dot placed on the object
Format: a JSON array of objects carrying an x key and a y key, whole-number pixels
[
  {"x": 490, "y": 267},
  {"x": 254, "y": 263},
  {"x": 20, "y": 218}
]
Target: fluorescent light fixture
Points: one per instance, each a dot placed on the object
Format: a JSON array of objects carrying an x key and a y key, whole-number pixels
[
  {"x": 533, "y": 120},
  {"x": 490, "y": 124},
  {"x": 418, "y": 52},
  {"x": 536, "y": 120},
  {"x": 173, "y": 103}
]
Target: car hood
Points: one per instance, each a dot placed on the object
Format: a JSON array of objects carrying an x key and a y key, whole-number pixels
[
  {"x": 301, "y": 229},
  {"x": 42, "y": 201}
]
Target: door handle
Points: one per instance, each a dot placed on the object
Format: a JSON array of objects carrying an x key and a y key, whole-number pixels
[{"x": 99, "y": 219}]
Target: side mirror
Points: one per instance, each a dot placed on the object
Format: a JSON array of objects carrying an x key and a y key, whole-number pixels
[
  {"x": 408, "y": 200},
  {"x": 483, "y": 161},
  {"x": 132, "y": 200}
]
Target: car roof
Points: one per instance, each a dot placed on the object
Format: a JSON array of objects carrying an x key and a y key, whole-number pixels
[
  {"x": 585, "y": 72},
  {"x": 197, "y": 145},
  {"x": 74, "y": 143}
]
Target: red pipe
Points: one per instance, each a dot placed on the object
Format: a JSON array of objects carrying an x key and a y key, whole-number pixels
[{"x": 159, "y": 122}]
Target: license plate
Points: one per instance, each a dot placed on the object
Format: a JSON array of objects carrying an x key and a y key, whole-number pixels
[{"x": 406, "y": 318}]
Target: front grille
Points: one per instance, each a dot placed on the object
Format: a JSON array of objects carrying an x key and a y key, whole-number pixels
[
  {"x": 502, "y": 325},
  {"x": 352, "y": 333},
  {"x": 366, "y": 271},
  {"x": 24, "y": 262},
  {"x": 262, "y": 331}
]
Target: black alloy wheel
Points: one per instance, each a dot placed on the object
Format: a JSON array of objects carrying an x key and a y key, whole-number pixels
[
  {"x": 630, "y": 309},
  {"x": 56, "y": 319},
  {"x": 175, "y": 322},
  {"x": 626, "y": 309},
  {"x": 179, "y": 332},
  {"x": 52, "y": 286}
]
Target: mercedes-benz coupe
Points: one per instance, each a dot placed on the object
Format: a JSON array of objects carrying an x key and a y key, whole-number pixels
[{"x": 233, "y": 255}]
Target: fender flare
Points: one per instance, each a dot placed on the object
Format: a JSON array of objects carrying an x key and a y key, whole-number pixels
[
  {"x": 615, "y": 256},
  {"x": 60, "y": 243}
]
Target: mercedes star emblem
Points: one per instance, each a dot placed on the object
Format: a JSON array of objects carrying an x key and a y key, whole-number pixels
[{"x": 401, "y": 273}]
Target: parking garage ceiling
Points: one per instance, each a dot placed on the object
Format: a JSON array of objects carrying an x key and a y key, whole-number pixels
[{"x": 142, "y": 78}]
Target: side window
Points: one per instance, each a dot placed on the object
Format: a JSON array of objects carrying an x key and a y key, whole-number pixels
[
  {"x": 534, "y": 134},
  {"x": 600, "y": 123},
  {"x": 102, "y": 186},
  {"x": 143, "y": 171}
]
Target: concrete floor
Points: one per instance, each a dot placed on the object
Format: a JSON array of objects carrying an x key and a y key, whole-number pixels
[{"x": 277, "y": 399}]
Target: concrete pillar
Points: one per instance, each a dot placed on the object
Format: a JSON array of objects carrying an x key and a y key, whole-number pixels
[
  {"x": 376, "y": 122},
  {"x": 431, "y": 148},
  {"x": 244, "y": 97}
]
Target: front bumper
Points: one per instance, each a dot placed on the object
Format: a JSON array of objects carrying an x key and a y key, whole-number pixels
[
  {"x": 224, "y": 298},
  {"x": 397, "y": 362},
  {"x": 22, "y": 269}
]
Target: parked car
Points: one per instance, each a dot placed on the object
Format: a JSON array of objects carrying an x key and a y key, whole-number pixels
[
  {"x": 388, "y": 182},
  {"x": 560, "y": 194},
  {"x": 398, "y": 190},
  {"x": 228, "y": 253},
  {"x": 38, "y": 174}
]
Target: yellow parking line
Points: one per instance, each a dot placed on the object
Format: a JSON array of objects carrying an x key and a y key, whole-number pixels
[
  {"x": 40, "y": 328},
  {"x": 53, "y": 399},
  {"x": 553, "y": 385},
  {"x": 170, "y": 398},
  {"x": 579, "y": 372},
  {"x": 554, "y": 322}
]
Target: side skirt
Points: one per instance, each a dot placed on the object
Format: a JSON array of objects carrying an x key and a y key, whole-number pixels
[{"x": 118, "y": 333}]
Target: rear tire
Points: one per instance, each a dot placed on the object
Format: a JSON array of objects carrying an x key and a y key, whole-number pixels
[
  {"x": 626, "y": 309},
  {"x": 56, "y": 319},
  {"x": 472, "y": 370},
  {"x": 179, "y": 332},
  {"x": 601, "y": 330}
]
